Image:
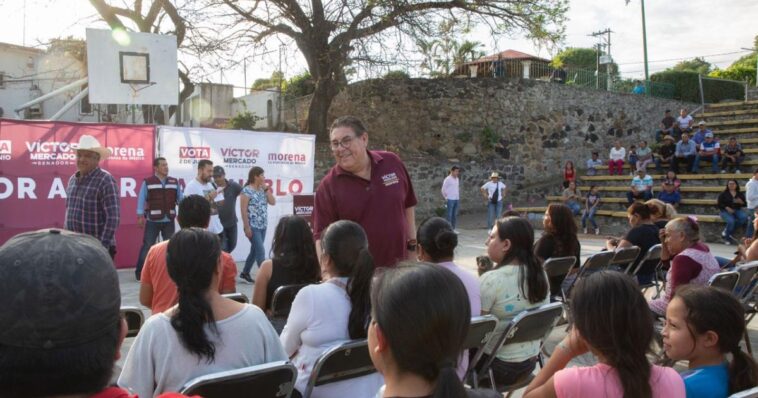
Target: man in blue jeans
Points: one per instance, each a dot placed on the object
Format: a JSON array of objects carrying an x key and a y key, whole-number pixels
[
  {"x": 451, "y": 193},
  {"x": 493, "y": 192},
  {"x": 709, "y": 150}
]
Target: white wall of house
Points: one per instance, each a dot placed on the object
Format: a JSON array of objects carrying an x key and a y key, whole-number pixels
[
  {"x": 263, "y": 104},
  {"x": 28, "y": 73},
  {"x": 207, "y": 102}
]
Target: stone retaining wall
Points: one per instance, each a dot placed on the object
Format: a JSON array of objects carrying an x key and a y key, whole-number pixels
[{"x": 525, "y": 129}]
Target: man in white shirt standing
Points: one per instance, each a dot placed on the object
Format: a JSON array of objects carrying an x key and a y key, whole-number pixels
[
  {"x": 683, "y": 123},
  {"x": 202, "y": 185},
  {"x": 751, "y": 194},
  {"x": 493, "y": 192},
  {"x": 451, "y": 193}
]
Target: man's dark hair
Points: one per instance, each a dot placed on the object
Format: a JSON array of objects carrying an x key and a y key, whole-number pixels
[
  {"x": 455, "y": 168},
  {"x": 157, "y": 161},
  {"x": 83, "y": 369},
  {"x": 352, "y": 122},
  {"x": 205, "y": 162},
  {"x": 194, "y": 211}
]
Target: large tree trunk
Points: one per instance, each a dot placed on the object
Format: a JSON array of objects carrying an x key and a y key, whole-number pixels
[
  {"x": 319, "y": 109},
  {"x": 326, "y": 89}
]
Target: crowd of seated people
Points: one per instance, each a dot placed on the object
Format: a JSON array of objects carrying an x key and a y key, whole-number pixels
[
  {"x": 694, "y": 146},
  {"x": 414, "y": 334}
]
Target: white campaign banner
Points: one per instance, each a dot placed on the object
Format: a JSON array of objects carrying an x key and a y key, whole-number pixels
[{"x": 287, "y": 160}]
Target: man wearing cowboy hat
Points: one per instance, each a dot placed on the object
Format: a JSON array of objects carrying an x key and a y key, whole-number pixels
[
  {"x": 92, "y": 200},
  {"x": 493, "y": 192},
  {"x": 666, "y": 153}
]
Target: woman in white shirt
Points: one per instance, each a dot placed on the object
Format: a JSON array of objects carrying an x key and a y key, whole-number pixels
[
  {"x": 616, "y": 158},
  {"x": 205, "y": 333},
  {"x": 334, "y": 311}
]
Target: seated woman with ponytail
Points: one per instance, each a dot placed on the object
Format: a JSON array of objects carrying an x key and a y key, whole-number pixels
[
  {"x": 334, "y": 311},
  {"x": 436, "y": 244},
  {"x": 416, "y": 333},
  {"x": 205, "y": 333},
  {"x": 610, "y": 319}
]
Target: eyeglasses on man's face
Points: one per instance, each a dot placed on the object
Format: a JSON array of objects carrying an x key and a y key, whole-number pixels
[{"x": 345, "y": 142}]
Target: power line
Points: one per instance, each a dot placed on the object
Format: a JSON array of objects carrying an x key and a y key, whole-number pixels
[{"x": 685, "y": 58}]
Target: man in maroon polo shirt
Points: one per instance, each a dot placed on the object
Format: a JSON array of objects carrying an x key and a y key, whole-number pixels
[{"x": 372, "y": 188}]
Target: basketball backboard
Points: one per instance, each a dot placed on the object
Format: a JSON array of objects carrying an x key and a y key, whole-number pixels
[{"x": 132, "y": 68}]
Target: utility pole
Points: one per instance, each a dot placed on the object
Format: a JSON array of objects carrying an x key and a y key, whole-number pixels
[
  {"x": 604, "y": 42},
  {"x": 644, "y": 49},
  {"x": 644, "y": 46}
]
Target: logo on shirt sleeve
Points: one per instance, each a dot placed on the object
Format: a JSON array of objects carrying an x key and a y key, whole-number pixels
[{"x": 390, "y": 179}]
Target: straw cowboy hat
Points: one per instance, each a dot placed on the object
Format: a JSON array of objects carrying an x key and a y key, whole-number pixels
[
  {"x": 494, "y": 175},
  {"x": 90, "y": 143}
]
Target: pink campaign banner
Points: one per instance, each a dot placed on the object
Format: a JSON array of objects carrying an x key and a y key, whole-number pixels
[{"x": 37, "y": 158}]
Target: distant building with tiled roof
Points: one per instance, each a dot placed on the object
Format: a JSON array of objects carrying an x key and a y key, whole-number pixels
[{"x": 508, "y": 63}]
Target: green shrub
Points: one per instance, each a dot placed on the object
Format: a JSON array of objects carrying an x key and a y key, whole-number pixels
[
  {"x": 736, "y": 72},
  {"x": 489, "y": 138},
  {"x": 397, "y": 75},
  {"x": 299, "y": 86},
  {"x": 243, "y": 121}
]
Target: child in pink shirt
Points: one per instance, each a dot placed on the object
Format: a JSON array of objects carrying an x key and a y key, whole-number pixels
[{"x": 618, "y": 333}]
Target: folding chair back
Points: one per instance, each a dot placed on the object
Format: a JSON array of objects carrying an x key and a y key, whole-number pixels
[
  {"x": 134, "y": 320},
  {"x": 652, "y": 254},
  {"x": 745, "y": 284},
  {"x": 282, "y": 299},
  {"x": 342, "y": 362},
  {"x": 725, "y": 280},
  {"x": 595, "y": 262},
  {"x": 527, "y": 326},
  {"x": 479, "y": 331},
  {"x": 238, "y": 297},
  {"x": 271, "y": 380},
  {"x": 281, "y": 303},
  {"x": 556, "y": 269},
  {"x": 625, "y": 257},
  {"x": 751, "y": 393}
]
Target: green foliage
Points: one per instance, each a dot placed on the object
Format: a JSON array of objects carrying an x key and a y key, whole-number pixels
[
  {"x": 582, "y": 60},
  {"x": 442, "y": 56},
  {"x": 299, "y": 86},
  {"x": 686, "y": 86},
  {"x": 270, "y": 83},
  {"x": 396, "y": 75},
  {"x": 243, "y": 121},
  {"x": 697, "y": 65},
  {"x": 736, "y": 72},
  {"x": 489, "y": 138}
]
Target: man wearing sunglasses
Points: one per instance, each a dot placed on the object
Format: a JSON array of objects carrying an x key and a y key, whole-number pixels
[{"x": 372, "y": 188}]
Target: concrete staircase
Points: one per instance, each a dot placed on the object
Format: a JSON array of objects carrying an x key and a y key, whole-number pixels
[{"x": 699, "y": 191}]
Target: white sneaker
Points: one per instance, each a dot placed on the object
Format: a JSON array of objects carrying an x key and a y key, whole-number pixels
[
  {"x": 597, "y": 231},
  {"x": 737, "y": 171},
  {"x": 723, "y": 171},
  {"x": 585, "y": 231}
]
